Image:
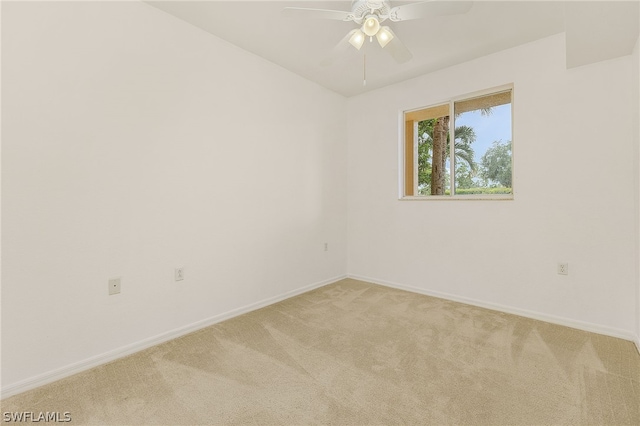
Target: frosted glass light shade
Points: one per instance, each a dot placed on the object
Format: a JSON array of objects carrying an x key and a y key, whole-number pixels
[
  {"x": 384, "y": 36},
  {"x": 357, "y": 39},
  {"x": 371, "y": 25}
]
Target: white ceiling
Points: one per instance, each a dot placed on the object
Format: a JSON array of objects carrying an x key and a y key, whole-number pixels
[{"x": 595, "y": 31}]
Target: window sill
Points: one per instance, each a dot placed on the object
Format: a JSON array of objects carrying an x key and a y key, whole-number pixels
[{"x": 479, "y": 197}]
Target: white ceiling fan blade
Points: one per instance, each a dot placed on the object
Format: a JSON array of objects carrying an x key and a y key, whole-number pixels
[
  {"x": 338, "y": 15},
  {"x": 338, "y": 50},
  {"x": 429, "y": 8},
  {"x": 397, "y": 49}
]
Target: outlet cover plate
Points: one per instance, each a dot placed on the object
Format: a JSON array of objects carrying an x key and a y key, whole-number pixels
[
  {"x": 563, "y": 268},
  {"x": 114, "y": 286},
  {"x": 179, "y": 274}
]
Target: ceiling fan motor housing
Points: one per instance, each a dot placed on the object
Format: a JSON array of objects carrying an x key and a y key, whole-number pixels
[{"x": 363, "y": 8}]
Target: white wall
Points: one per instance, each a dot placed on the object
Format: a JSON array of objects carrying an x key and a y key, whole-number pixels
[
  {"x": 134, "y": 143},
  {"x": 573, "y": 182}
]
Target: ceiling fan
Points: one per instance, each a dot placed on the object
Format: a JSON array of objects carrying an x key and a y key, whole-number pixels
[{"x": 370, "y": 14}]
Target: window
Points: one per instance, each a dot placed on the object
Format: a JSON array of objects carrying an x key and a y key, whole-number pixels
[{"x": 480, "y": 128}]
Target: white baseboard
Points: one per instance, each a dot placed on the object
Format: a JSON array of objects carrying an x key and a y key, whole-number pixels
[
  {"x": 123, "y": 351},
  {"x": 567, "y": 322}
]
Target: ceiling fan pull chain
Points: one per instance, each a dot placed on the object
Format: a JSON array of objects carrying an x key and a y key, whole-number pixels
[{"x": 364, "y": 70}]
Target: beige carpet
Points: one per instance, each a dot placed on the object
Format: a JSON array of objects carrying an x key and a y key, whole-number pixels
[{"x": 360, "y": 354}]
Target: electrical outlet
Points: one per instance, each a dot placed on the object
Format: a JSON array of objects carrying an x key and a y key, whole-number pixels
[
  {"x": 563, "y": 268},
  {"x": 326, "y": 246},
  {"x": 114, "y": 286},
  {"x": 179, "y": 274}
]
